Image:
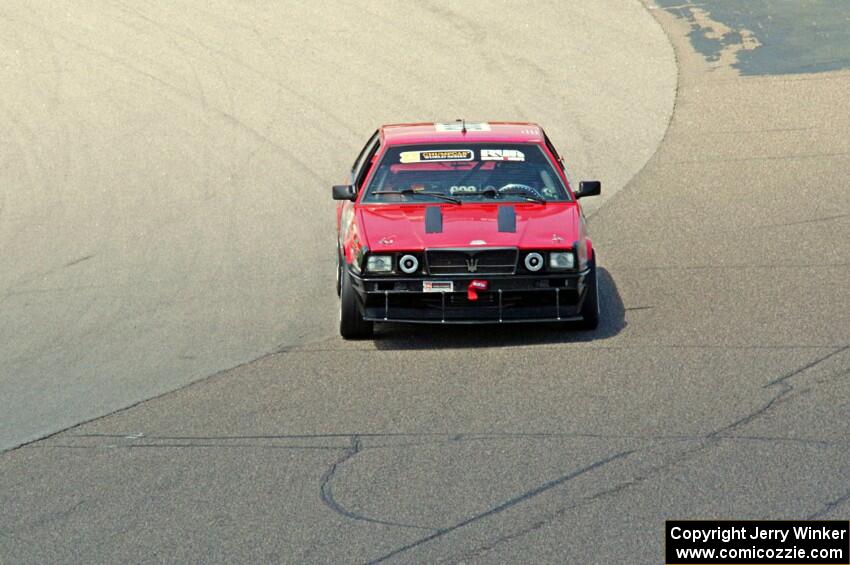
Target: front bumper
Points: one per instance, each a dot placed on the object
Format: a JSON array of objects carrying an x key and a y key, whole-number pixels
[{"x": 510, "y": 298}]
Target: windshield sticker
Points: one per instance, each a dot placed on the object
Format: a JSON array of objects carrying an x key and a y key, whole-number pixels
[
  {"x": 458, "y": 126},
  {"x": 436, "y": 155},
  {"x": 502, "y": 155},
  {"x": 460, "y": 189}
]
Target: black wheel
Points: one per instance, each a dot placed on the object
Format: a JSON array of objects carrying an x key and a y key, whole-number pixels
[
  {"x": 351, "y": 322},
  {"x": 590, "y": 307}
]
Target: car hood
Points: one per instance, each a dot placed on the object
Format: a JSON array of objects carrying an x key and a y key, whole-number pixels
[{"x": 390, "y": 227}]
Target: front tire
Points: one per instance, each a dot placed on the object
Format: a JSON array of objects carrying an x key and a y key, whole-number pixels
[
  {"x": 338, "y": 273},
  {"x": 590, "y": 307},
  {"x": 351, "y": 322}
]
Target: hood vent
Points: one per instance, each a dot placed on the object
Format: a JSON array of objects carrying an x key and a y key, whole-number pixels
[
  {"x": 507, "y": 219},
  {"x": 433, "y": 219}
]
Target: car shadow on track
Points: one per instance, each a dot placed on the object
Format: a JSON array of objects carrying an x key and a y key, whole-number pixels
[{"x": 429, "y": 336}]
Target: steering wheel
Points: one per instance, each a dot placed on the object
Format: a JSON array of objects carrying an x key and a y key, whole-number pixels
[{"x": 516, "y": 186}]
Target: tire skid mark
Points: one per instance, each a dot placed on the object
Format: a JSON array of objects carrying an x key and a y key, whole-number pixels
[
  {"x": 186, "y": 56},
  {"x": 55, "y": 100},
  {"x": 300, "y": 97},
  {"x": 189, "y": 97}
]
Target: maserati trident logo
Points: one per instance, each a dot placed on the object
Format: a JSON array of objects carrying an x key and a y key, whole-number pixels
[{"x": 471, "y": 265}]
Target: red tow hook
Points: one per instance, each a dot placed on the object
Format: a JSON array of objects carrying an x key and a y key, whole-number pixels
[{"x": 474, "y": 286}]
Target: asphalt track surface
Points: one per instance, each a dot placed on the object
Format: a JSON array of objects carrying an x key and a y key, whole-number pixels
[
  {"x": 165, "y": 207},
  {"x": 718, "y": 385}
]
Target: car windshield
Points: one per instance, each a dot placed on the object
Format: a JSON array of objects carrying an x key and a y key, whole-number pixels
[{"x": 471, "y": 172}]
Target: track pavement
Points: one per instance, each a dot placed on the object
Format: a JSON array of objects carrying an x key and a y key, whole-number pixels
[
  {"x": 716, "y": 387},
  {"x": 165, "y": 167}
]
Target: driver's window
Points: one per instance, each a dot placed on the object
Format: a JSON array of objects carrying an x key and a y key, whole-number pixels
[
  {"x": 559, "y": 160},
  {"x": 366, "y": 164},
  {"x": 365, "y": 156},
  {"x": 552, "y": 150}
]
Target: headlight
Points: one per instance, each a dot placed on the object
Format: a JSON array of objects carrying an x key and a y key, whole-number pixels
[
  {"x": 379, "y": 263},
  {"x": 534, "y": 261},
  {"x": 562, "y": 260}
]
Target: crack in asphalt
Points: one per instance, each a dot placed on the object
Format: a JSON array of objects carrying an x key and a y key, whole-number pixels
[
  {"x": 438, "y": 438},
  {"x": 708, "y": 441},
  {"x": 326, "y": 490},
  {"x": 779, "y": 397},
  {"x": 740, "y": 267},
  {"x": 806, "y": 367},
  {"x": 356, "y": 447},
  {"x": 785, "y": 390},
  {"x": 57, "y": 516},
  {"x": 798, "y": 222},
  {"x": 829, "y": 506},
  {"x": 536, "y": 525},
  {"x": 438, "y": 347},
  {"x": 188, "y": 445},
  {"x": 714, "y": 437},
  {"x": 505, "y": 505}
]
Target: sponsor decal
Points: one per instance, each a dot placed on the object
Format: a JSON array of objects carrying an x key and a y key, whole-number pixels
[
  {"x": 437, "y": 286},
  {"x": 502, "y": 155},
  {"x": 436, "y": 155},
  {"x": 458, "y": 126}
]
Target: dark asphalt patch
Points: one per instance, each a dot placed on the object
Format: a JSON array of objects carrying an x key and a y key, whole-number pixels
[{"x": 770, "y": 37}]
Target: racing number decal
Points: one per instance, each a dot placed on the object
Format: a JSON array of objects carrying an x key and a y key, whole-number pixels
[{"x": 502, "y": 155}]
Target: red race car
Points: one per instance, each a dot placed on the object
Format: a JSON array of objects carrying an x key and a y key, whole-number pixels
[{"x": 461, "y": 222}]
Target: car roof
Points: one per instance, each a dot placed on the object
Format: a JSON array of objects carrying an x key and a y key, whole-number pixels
[{"x": 451, "y": 132}]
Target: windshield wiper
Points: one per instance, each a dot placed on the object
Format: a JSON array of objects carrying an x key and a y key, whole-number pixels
[
  {"x": 493, "y": 193},
  {"x": 525, "y": 194},
  {"x": 410, "y": 191}
]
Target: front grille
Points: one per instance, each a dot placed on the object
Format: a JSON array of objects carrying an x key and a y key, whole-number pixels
[{"x": 471, "y": 261}]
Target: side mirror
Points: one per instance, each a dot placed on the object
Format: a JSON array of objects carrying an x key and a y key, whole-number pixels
[
  {"x": 588, "y": 188},
  {"x": 344, "y": 192}
]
